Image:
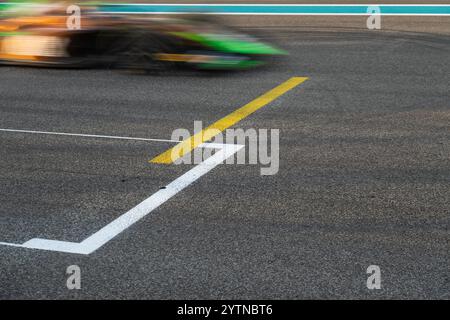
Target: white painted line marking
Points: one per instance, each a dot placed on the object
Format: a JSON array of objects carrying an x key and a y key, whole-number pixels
[
  {"x": 282, "y": 14},
  {"x": 86, "y": 135},
  {"x": 270, "y": 5},
  {"x": 129, "y": 218}
]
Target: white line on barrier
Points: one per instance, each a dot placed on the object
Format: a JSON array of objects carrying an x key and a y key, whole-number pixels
[{"x": 284, "y": 14}]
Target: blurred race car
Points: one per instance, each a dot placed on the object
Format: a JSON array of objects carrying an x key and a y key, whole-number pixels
[{"x": 148, "y": 44}]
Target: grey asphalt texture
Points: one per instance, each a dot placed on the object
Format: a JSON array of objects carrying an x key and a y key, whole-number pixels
[{"x": 364, "y": 177}]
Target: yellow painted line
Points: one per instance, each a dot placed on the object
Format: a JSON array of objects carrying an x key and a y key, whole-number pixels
[{"x": 210, "y": 132}]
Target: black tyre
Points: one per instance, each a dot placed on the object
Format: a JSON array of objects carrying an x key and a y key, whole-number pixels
[{"x": 137, "y": 52}]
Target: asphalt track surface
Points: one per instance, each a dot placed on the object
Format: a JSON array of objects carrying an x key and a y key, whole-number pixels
[{"x": 364, "y": 177}]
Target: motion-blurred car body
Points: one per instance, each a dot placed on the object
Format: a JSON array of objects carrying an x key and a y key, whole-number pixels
[{"x": 128, "y": 42}]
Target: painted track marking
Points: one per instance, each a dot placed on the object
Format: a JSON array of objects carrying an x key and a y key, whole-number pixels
[
  {"x": 85, "y": 135},
  {"x": 129, "y": 218},
  {"x": 210, "y": 132},
  {"x": 104, "y": 235}
]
